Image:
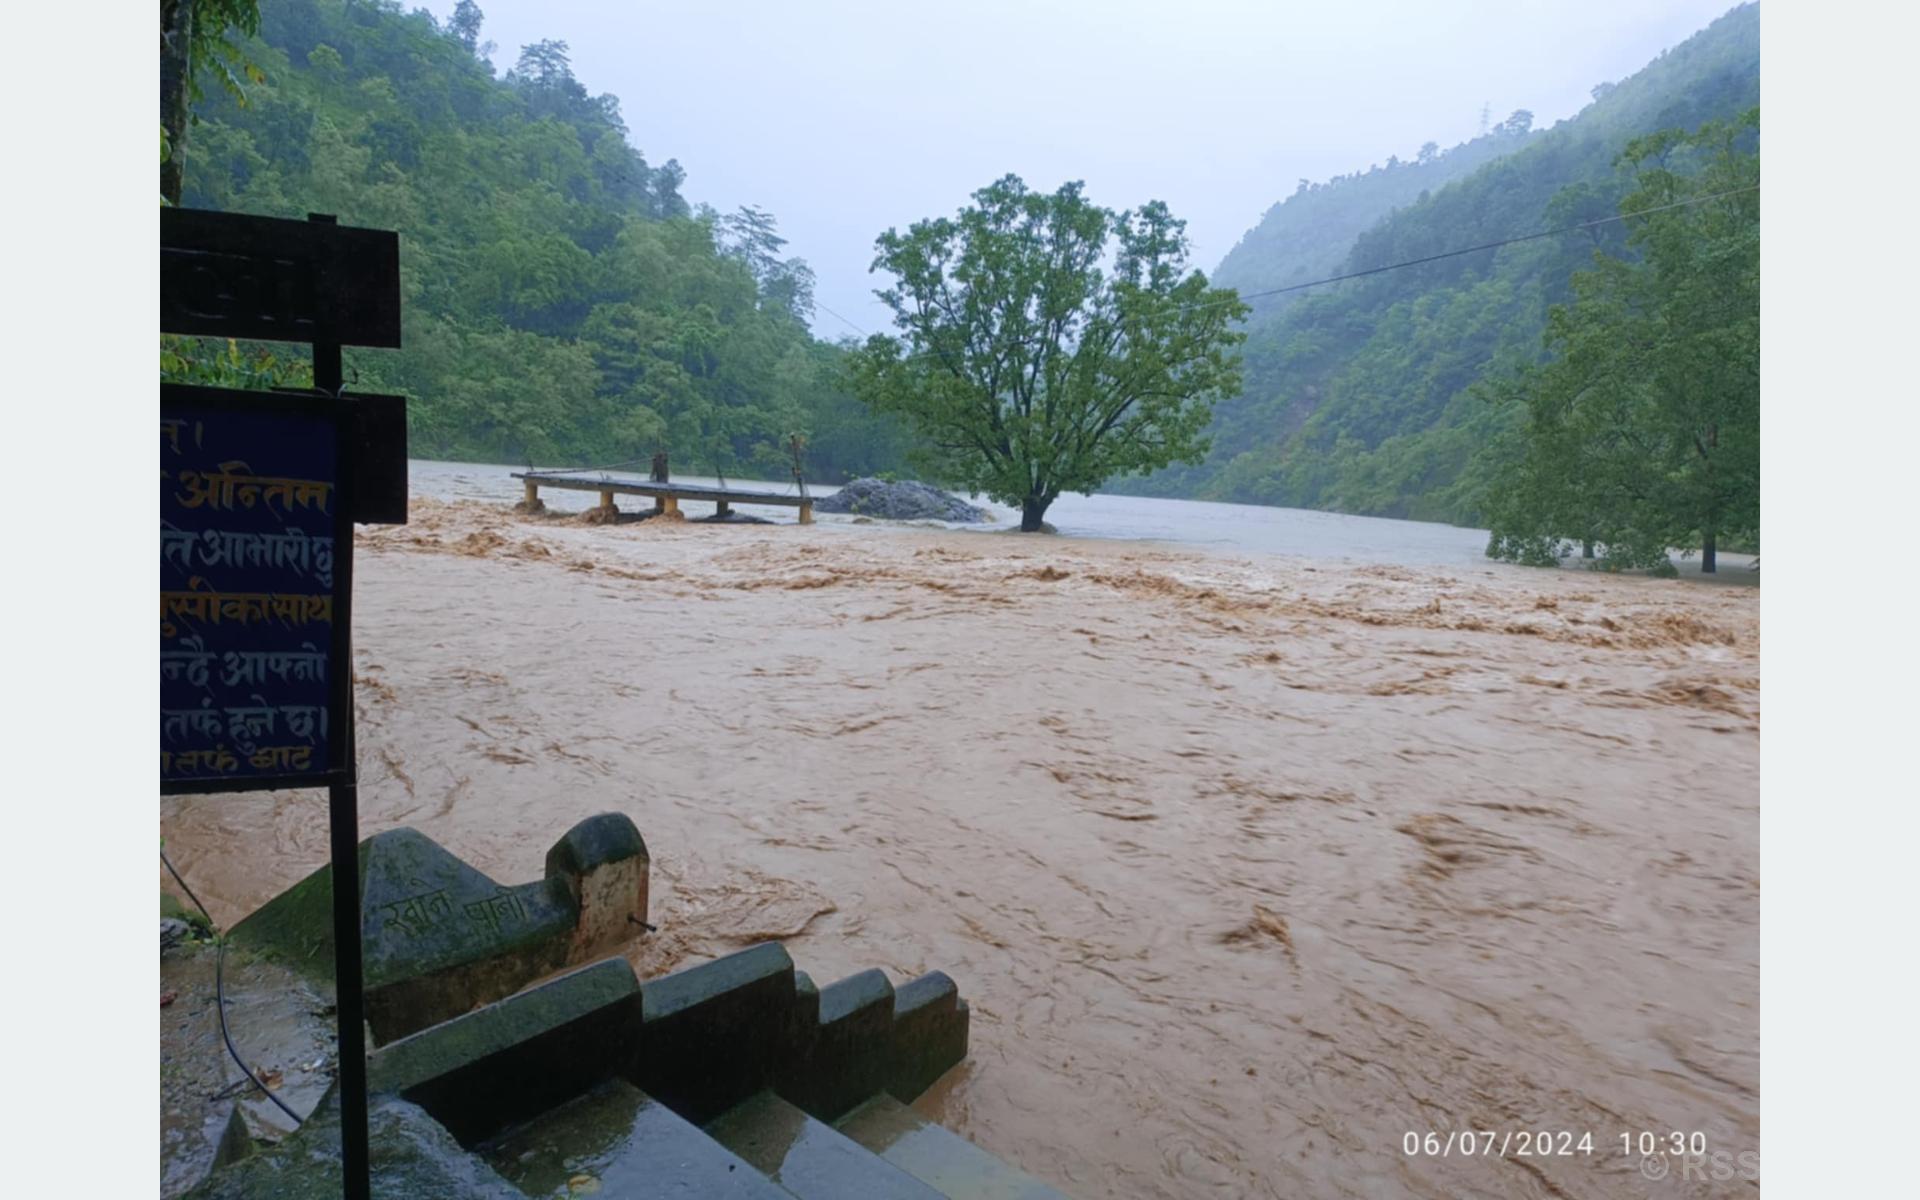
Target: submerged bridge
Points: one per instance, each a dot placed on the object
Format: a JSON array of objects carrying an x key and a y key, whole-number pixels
[{"x": 666, "y": 495}]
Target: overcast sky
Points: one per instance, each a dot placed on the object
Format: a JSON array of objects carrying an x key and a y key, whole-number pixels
[{"x": 845, "y": 117}]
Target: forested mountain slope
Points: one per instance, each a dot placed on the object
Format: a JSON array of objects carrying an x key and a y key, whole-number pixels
[
  {"x": 563, "y": 301},
  {"x": 1361, "y": 396},
  {"x": 1309, "y": 235}
]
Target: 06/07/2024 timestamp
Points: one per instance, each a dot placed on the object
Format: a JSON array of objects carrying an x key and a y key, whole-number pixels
[{"x": 1549, "y": 1143}]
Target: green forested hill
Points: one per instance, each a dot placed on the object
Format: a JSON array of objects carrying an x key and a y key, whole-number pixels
[
  {"x": 1361, "y": 396},
  {"x": 1309, "y": 234},
  {"x": 563, "y": 301},
  {"x": 566, "y": 304}
]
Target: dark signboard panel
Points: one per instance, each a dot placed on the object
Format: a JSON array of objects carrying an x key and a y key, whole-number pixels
[
  {"x": 254, "y": 565},
  {"x": 376, "y": 445},
  {"x": 230, "y": 275},
  {"x": 377, "y": 448},
  {"x": 258, "y": 496}
]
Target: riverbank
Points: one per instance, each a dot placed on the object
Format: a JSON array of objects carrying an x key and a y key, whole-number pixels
[
  {"x": 1248, "y": 865},
  {"x": 1234, "y": 530}
]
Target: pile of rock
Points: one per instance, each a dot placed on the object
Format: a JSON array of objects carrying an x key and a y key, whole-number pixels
[{"x": 903, "y": 501}]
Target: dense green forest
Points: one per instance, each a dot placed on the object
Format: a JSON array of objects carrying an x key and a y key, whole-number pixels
[
  {"x": 1370, "y": 396},
  {"x": 564, "y": 303}
]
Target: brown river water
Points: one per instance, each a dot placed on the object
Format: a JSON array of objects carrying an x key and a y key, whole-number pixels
[{"x": 1250, "y": 867}]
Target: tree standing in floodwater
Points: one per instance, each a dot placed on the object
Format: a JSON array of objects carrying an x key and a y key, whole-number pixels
[
  {"x": 1030, "y": 371},
  {"x": 1642, "y": 431}
]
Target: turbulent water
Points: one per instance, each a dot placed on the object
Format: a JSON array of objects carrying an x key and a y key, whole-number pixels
[
  {"x": 1200, "y": 524},
  {"x": 1249, "y": 865}
]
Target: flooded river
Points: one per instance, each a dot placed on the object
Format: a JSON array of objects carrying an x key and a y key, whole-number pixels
[
  {"x": 1251, "y": 860},
  {"x": 1197, "y": 524}
]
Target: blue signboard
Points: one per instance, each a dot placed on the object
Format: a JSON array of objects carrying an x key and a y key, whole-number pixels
[{"x": 253, "y": 591}]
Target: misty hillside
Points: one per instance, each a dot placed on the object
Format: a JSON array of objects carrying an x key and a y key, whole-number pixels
[
  {"x": 564, "y": 302},
  {"x": 1358, "y": 396},
  {"x": 1310, "y": 233}
]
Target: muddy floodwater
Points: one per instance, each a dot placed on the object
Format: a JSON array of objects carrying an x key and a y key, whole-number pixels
[{"x": 1250, "y": 866}]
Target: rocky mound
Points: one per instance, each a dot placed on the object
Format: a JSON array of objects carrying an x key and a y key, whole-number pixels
[{"x": 904, "y": 501}]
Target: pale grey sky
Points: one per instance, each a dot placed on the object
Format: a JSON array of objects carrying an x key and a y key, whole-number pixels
[{"x": 844, "y": 117}]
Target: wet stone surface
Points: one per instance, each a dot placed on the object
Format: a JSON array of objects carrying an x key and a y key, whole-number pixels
[
  {"x": 809, "y": 1158},
  {"x": 282, "y": 1025},
  {"x": 617, "y": 1141},
  {"x": 409, "y": 1155}
]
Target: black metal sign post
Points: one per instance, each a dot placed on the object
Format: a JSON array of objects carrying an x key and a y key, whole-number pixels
[
  {"x": 343, "y": 823},
  {"x": 259, "y": 495}
]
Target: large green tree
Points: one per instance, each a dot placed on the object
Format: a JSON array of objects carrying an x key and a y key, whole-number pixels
[
  {"x": 1028, "y": 365},
  {"x": 1642, "y": 431}
]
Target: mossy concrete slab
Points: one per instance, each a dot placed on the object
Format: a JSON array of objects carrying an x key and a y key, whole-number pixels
[
  {"x": 717, "y": 1033},
  {"x": 848, "y": 1054},
  {"x": 423, "y": 910},
  {"x": 517, "y": 1057},
  {"x": 440, "y": 936},
  {"x": 930, "y": 1023}
]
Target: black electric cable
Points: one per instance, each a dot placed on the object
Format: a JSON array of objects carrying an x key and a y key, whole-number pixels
[
  {"x": 1412, "y": 262},
  {"x": 1525, "y": 237},
  {"x": 220, "y": 993}
]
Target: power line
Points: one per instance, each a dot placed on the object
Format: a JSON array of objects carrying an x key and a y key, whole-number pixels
[
  {"x": 1415, "y": 262},
  {"x": 1527, "y": 237},
  {"x": 836, "y": 316}
]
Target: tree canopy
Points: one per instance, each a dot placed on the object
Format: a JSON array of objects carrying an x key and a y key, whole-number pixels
[
  {"x": 1030, "y": 368},
  {"x": 1642, "y": 431},
  {"x": 563, "y": 301},
  {"x": 196, "y": 39}
]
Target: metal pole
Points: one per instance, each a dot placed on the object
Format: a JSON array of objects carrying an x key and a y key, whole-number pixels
[
  {"x": 342, "y": 805},
  {"x": 343, "y": 819}
]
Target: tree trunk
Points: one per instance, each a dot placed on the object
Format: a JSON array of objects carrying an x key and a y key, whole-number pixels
[
  {"x": 1033, "y": 511},
  {"x": 176, "y": 31},
  {"x": 1707, "y": 564}
]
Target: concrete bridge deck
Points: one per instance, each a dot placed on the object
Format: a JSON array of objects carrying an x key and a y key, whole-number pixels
[{"x": 666, "y": 496}]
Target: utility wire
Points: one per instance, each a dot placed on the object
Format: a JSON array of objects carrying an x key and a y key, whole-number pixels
[
  {"x": 1415, "y": 262},
  {"x": 220, "y": 994},
  {"x": 1527, "y": 237},
  {"x": 836, "y": 316}
]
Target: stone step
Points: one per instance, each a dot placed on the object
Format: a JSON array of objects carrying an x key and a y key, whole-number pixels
[
  {"x": 629, "y": 1146},
  {"x": 808, "y": 1158},
  {"x": 938, "y": 1157}
]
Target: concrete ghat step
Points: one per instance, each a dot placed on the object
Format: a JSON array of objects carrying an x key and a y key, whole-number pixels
[
  {"x": 942, "y": 1159},
  {"x": 809, "y": 1158},
  {"x": 630, "y": 1145}
]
